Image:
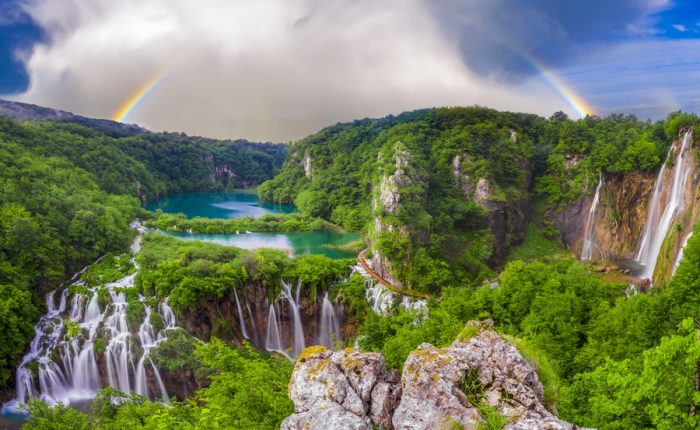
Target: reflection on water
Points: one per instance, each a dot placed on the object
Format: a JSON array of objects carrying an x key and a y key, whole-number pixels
[
  {"x": 312, "y": 242},
  {"x": 217, "y": 205},
  {"x": 236, "y": 205}
]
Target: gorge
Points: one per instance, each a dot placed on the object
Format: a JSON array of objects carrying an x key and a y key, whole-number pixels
[{"x": 467, "y": 303}]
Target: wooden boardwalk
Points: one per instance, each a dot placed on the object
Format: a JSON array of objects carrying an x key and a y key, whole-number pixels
[{"x": 387, "y": 284}]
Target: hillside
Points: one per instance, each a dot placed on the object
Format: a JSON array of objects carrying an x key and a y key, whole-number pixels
[{"x": 487, "y": 214}]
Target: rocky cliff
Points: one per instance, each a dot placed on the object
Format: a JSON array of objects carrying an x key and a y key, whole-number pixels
[
  {"x": 624, "y": 208},
  {"x": 619, "y": 220},
  {"x": 466, "y": 385},
  {"x": 221, "y": 318}
]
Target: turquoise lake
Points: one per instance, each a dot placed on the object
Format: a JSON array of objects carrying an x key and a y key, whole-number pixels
[
  {"x": 236, "y": 205},
  {"x": 217, "y": 205}
]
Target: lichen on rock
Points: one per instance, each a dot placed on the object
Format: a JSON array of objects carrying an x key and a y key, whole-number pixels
[{"x": 440, "y": 387}]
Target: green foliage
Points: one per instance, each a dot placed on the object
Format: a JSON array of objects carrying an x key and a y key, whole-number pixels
[
  {"x": 657, "y": 391},
  {"x": 18, "y": 311},
  {"x": 59, "y": 417},
  {"x": 247, "y": 391},
  {"x": 266, "y": 223},
  {"x": 176, "y": 354},
  {"x": 192, "y": 273},
  {"x": 438, "y": 238},
  {"x": 109, "y": 269},
  {"x": 135, "y": 313}
]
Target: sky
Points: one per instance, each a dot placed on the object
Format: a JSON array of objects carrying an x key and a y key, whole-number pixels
[{"x": 278, "y": 70}]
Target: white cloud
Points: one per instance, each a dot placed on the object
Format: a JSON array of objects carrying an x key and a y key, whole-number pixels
[
  {"x": 274, "y": 69},
  {"x": 680, "y": 27}
]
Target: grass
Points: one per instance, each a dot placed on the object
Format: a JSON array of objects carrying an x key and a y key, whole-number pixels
[
  {"x": 536, "y": 246},
  {"x": 545, "y": 368}
]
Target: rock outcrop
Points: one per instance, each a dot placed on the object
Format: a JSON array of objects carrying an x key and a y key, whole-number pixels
[
  {"x": 507, "y": 215},
  {"x": 440, "y": 388},
  {"x": 342, "y": 390}
]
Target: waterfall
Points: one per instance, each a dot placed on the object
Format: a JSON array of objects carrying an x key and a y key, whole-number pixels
[
  {"x": 679, "y": 258},
  {"x": 241, "y": 321},
  {"x": 658, "y": 223},
  {"x": 273, "y": 341},
  {"x": 62, "y": 363},
  {"x": 297, "y": 328},
  {"x": 329, "y": 328},
  {"x": 381, "y": 299},
  {"x": 587, "y": 251}
]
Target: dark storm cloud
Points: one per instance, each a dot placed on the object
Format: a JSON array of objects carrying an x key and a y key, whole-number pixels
[{"x": 496, "y": 37}]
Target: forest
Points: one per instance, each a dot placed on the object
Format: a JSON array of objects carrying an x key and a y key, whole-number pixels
[{"x": 608, "y": 357}]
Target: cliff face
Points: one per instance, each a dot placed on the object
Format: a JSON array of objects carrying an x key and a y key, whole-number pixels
[
  {"x": 626, "y": 209},
  {"x": 507, "y": 213},
  {"x": 619, "y": 220},
  {"x": 223, "y": 320},
  {"x": 440, "y": 387}
]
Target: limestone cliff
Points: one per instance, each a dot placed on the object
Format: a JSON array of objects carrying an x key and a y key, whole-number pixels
[
  {"x": 623, "y": 212},
  {"x": 439, "y": 388},
  {"x": 618, "y": 221}
]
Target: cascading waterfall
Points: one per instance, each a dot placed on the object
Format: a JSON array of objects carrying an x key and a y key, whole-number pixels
[
  {"x": 298, "y": 329},
  {"x": 241, "y": 321},
  {"x": 61, "y": 365},
  {"x": 587, "y": 251},
  {"x": 329, "y": 328},
  {"x": 273, "y": 340},
  {"x": 658, "y": 223},
  {"x": 381, "y": 299},
  {"x": 679, "y": 258}
]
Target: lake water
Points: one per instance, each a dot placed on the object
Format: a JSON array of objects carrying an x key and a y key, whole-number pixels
[
  {"x": 236, "y": 205},
  {"x": 217, "y": 205},
  {"x": 312, "y": 242}
]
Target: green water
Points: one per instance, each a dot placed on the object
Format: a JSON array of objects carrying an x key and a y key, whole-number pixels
[
  {"x": 217, "y": 205},
  {"x": 312, "y": 242},
  {"x": 236, "y": 205}
]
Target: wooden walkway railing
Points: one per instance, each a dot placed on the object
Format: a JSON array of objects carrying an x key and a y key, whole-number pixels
[{"x": 387, "y": 284}]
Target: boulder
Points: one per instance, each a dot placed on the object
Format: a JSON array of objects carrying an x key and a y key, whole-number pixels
[
  {"x": 342, "y": 390},
  {"x": 465, "y": 385}
]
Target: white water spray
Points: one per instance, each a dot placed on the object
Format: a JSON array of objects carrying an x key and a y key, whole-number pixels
[
  {"x": 658, "y": 223},
  {"x": 589, "y": 236},
  {"x": 61, "y": 365}
]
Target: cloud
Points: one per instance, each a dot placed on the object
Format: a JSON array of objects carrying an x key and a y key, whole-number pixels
[
  {"x": 275, "y": 69},
  {"x": 680, "y": 27},
  {"x": 499, "y": 38},
  {"x": 648, "y": 78}
]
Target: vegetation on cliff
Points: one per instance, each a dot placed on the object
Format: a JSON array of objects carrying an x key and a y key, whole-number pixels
[
  {"x": 426, "y": 187},
  {"x": 423, "y": 188},
  {"x": 247, "y": 391}
]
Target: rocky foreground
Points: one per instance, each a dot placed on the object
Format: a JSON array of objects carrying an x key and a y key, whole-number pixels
[{"x": 467, "y": 385}]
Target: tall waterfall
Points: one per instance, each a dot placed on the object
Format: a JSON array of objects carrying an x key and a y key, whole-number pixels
[
  {"x": 589, "y": 236},
  {"x": 241, "y": 319},
  {"x": 62, "y": 362},
  {"x": 285, "y": 333},
  {"x": 679, "y": 258},
  {"x": 658, "y": 223},
  {"x": 329, "y": 328}
]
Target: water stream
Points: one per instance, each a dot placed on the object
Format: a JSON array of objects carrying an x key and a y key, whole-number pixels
[
  {"x": 79, "y": 348},
  {"x": 589, "y": 236},
  {"x": 661, "y": 214}
]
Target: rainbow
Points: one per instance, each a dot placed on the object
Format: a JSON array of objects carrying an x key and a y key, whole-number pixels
[
  {"x": 561, "y": 87},
  {"x": 137, "y": 96}
]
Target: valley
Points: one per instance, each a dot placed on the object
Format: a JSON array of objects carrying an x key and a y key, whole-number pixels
[{"x": 427, "y": 251}]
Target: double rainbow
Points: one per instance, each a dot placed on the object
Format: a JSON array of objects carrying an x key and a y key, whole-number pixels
[{"x": 557, "y": 83}]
